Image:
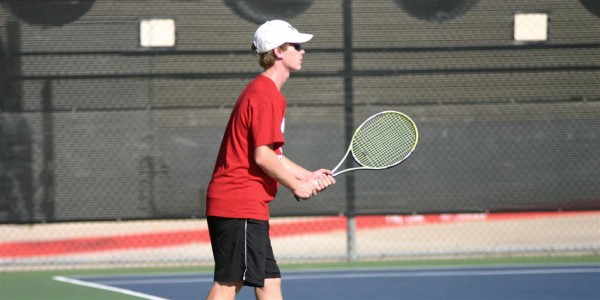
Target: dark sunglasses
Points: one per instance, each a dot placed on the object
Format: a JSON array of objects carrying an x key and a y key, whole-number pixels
[{"x": 298, "y": 47}]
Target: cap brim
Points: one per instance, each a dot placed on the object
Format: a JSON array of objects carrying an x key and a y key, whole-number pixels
[{"x": 300, "y": 38}]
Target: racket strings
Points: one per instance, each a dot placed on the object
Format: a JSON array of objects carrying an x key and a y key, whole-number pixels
[{"x": 384, "y": 141}]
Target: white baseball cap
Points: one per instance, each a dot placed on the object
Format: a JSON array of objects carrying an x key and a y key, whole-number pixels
[{"x": 275, "y": 33}]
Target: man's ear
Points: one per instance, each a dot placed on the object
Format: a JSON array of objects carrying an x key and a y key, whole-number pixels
[{"x": 278, "y": 53}]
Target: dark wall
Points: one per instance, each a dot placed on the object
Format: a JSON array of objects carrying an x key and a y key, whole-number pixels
[{"x": 95, "y": 127}]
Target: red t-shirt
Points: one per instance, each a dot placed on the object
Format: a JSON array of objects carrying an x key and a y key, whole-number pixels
[{"x": 239, "y": 188}]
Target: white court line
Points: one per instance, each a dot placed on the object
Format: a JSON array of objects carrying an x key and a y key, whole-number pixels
[
  {"x": 155, "y": 281},
  {"x": 106, "y": 287},
  {"x": 446, "y": 273},
  {"x": 327, "y": 275}
]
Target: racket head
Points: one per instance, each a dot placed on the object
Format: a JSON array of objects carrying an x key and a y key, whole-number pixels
[{"x": 384, "y": 140}]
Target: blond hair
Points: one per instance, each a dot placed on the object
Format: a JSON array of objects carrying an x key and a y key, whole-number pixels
[{"x": 267, "y": 59}]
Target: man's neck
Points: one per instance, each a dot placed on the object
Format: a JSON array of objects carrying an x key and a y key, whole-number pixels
[{"x": 277, "y": 74}]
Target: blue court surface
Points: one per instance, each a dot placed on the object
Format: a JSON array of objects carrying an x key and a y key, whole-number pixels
[{"x": 496, "y": 282}]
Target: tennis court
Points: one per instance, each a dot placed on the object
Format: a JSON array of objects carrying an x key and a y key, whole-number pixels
[
  {"x": 513, "y": 282},
  {"x": 516, "y": 278}
]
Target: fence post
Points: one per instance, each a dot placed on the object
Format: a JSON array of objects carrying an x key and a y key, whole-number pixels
[{"x": 349, "y": 128}]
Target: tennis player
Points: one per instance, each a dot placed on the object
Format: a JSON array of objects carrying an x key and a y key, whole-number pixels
[{"x": 249, "y": 168}]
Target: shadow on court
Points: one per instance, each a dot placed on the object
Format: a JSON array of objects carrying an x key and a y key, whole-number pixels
[{"x": 507, "y": 282}]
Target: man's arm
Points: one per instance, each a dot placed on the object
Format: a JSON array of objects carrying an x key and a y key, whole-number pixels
[
  {"x": 298, "y": 171},
  {"x": 289, "y": 174}
]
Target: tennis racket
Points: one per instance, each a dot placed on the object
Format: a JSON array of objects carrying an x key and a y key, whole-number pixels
[{"x": 382, "y": 141}]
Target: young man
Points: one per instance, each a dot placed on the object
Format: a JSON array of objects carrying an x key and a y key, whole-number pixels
[{"x": 250, "y": 166}]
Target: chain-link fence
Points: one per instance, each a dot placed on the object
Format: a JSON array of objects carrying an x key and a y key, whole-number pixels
[
  {"x": 303, "y": 239},
  {"x": 114, "y": 110}
]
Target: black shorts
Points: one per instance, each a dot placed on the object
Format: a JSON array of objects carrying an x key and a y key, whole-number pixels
[{"x": 242, "y": 251}]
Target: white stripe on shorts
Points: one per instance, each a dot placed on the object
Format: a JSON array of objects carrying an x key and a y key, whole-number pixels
[{"x": 245, "y": 250}]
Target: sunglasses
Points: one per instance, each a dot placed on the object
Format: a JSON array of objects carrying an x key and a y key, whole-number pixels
[{"x": 298, "y": 47}]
